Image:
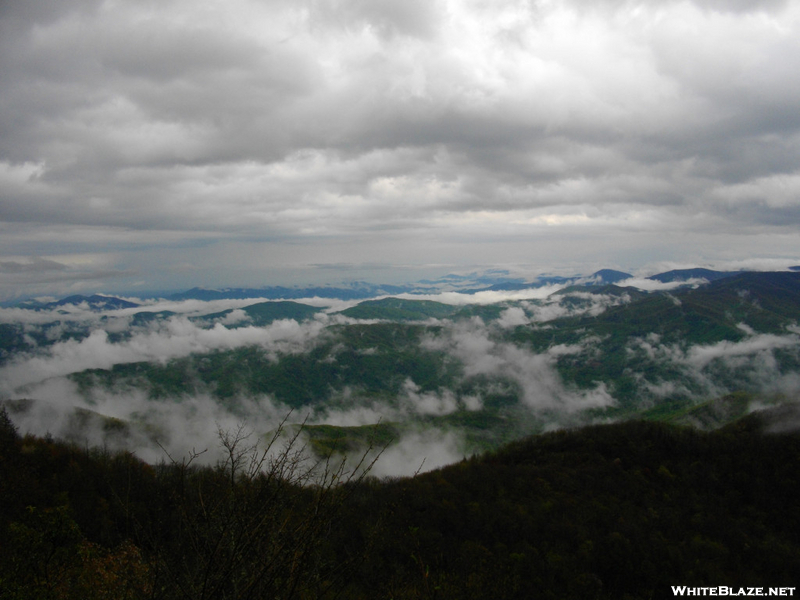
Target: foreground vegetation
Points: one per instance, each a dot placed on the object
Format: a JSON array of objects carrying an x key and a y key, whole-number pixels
[{"x": 612, "y": 511}]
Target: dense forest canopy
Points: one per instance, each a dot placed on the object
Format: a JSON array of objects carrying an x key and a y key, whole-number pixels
[{"x": 609, "y": 511}]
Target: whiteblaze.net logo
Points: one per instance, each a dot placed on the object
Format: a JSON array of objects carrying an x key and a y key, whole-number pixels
[{"x": 723, "y": 590}]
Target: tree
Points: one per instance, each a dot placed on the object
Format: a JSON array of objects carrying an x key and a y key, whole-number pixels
[
  {"x": 8, "y": 431},
  {"x": 256, "y": 525}
]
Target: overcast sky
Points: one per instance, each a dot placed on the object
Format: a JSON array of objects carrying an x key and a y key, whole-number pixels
[{"x": 150, "y": 144}]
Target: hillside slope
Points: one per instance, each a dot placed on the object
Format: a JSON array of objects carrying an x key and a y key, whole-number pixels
[{"x": 611, "y": 511}]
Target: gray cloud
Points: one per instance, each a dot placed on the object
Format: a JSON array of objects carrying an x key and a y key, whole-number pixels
[
  {"x": 35, "y": 265},
  {"x": 38, "y": 275},
  {"x": 345, "y": 126},
  {"x": 713, "y": 370},
  {"x": 155, "y": 430},
  {"x": 387, "y": 18},
  {"x": 473, "y": 344},
  {"x": 174, "y": 338},
  {"x": 419, "y": 452}
]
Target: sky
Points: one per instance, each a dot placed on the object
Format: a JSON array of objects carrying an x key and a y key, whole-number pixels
[{"x": 164, "y": 144}]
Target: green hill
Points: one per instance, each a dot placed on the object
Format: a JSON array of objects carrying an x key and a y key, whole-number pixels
[
  {"x": 264, "y": 313},
  {"x": 605, "y": 512},
  {"x": 764, "y": 301},
  {"x": 371, "y": 360},
  {"x": 678, "y": 275},
  {"x": 398, "y": 309},
  {"x": 638, "y": 349},
  {"x": 674, "y": 322}
]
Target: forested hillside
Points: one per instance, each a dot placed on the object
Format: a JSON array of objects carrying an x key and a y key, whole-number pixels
[
  {"x": 609, "y": 511},
  {"x": 449, "y": 377}
]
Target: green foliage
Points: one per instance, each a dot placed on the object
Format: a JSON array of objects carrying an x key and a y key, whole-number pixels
[
  {"x": 88, "y": 524},
  {"x": 371, "y": 359},
  {"x": 41, "y": 552},
  {"x": 398, "y": 309},
  {"x": 326, "y": 440},
  {"x": 264, "y": 313},
  {"x": 16, "y": 338},
  {"x": 8, "y": 431},
  {"x": 604, "y": 512},
  {"x": 766, "y": 302},
  {"x": 638, "y": 351},
  {"x": 716, "y": 412},
  {"x": 487, "y": 312},
  {"x": 12, "y": 341}
]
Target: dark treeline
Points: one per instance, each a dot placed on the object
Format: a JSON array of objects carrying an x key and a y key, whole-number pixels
[{"x": 613, "y": 511}]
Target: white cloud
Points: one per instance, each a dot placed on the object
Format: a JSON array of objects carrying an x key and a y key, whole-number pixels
[
  {"x": 700, "y": 356},
  {"x": 178, "y": 427},
  {"x": 236, "y": 316},
  {"x": 486, "y": 297},
  {"x": 541, "y": 385},
  {"x": 513, "y": 317},
  {"x": 427, "y": 403},
  {"x": 652, "y": 285},
  {"x": 565, "y": 305},
  {"x": 420, "y": 452},
  {"x": 711, "y": 370},
  {"x": 173, "y": 338}
]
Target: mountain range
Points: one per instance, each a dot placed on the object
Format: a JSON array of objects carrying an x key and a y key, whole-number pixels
[
  {"x": 484, "y": 369},
  {"x": 564, "y": 438},
  {"x": 360, "y": 290}
]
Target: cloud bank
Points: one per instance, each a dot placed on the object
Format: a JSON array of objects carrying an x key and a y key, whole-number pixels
[
  {"x": 162, "y": 145},
  {"x": 542, "y": 389},
  {"x": 176, "y": 337}
]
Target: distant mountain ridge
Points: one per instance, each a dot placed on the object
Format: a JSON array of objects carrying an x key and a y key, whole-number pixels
[
  {"x": 687, "y": 274},
  {"x": 264, "y": 313},
  {"x": 95, "y": 302},
  {"x": 286, "y": 293},
  {"x": 399, "y": 309},
  {"x": 475, "y": 365},
  {"x": 610, "y": 276},
  {"x": 364, "y": 291}
]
